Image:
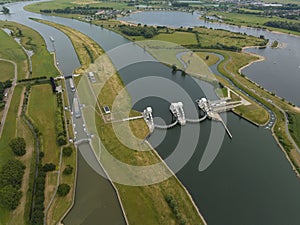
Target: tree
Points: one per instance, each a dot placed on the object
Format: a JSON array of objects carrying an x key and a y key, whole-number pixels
[
  {"x": 18, "y": 146},
  {"x": 207, "y": 57},
  {"x": 10, "y": 197},
  {"x": 68, "y": 170},
  {"x": 5, "y": 10},
  {"x": 49, "y": 167},
  {"x": 67, "y": 151},
  {"x": 63, "y": 189},
  {"x": 12, "y": 173}
]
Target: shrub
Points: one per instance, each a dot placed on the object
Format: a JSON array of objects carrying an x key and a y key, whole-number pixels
[
  {"x": 63, "y": 189},
  {"x": 18, "y": 146},
  {"x": 49, "y": 167},
  {"x": 67, "y": 151},
  {"x": 68, "y": 170},
  {"x": 10, "y": 197}
]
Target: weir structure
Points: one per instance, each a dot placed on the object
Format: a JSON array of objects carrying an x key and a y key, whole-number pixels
[
  {"x": 213, "y": 108},
  {"x": 210, "y": 108}
]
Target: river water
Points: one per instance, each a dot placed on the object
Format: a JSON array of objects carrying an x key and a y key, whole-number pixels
[
  {"x": 249, "y": 182},
  {"x": 279, "y": 73}
]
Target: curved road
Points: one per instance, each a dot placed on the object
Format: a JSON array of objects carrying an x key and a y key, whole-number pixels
[
  {"x": 272, "y": 116},
  {"x": 7, "y": 104}
]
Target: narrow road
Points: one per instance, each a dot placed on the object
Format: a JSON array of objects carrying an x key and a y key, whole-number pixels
[{"x": 10, "y": 94}]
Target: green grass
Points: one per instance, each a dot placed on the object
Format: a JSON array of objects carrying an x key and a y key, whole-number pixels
[
  {"x": 181, "y": 38},
  {"x": 9, "y": 132},
  {"x": 41, "y": 109},
  {"x": 252, "y": 20},
  {"x": 294, "y": 125},
  {"x": 9, "y": 49},
  {"x": 210, "y": 37},
  {"x": 7, "y": 71},
  {"x": 42, "y": 60},
  {"x": 61, "y": 4},
  {"x": 213, "y": 59}
]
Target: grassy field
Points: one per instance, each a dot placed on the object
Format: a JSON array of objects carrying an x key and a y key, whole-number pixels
[
  {"x": 213, "y": 59},
  {"x": 7, "y": 71},
  {"x": 42, "y": 112},
  {"x": 294, "y": 126},
  {"x": 178, "y": 38},
  {"x": 9, "y": 132},
  {"x": 252, "y": 20},
  {"x": 61, "y": 4},
  {"x": 9, "y": 49},
  {"x": 42, "y": 60},
  {"x": 210, "y": 37},
  {"x": 87, "y": 50}
]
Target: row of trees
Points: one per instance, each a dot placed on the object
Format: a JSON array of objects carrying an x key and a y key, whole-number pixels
[
  {"x": 145, "y": 31},
  {"x": 284, "y": 25},
  {"x": 11, "y": 176},
  {"x": 61, "y": 134},
  {"x": 3, "y": 86}
]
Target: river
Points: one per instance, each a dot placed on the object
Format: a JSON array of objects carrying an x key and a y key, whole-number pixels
[
  {"x": 249, "y": 182},
  {"x": 279, "y": 72}
]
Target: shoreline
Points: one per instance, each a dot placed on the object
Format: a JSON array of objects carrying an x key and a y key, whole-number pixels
[{"x": 260, "y": 58}]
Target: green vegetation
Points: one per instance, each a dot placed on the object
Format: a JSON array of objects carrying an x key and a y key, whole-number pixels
[
  {"x": 68, "y": 170},
  {"x": 42, "y": 113},
  {"x": 61, "y": 134},
  {"x": 9, "y": 49},
  {"x": 209, "y": 58},
  {"x": 274, "y": 44},
  {"x": 67, "y": 151},
  {"x": 251, "y": 20},
  {"x": 284, "y": 25},
  {"x": 294, "y": 124},
  {"x": 18, "y": 146},
  {"x": 3, "y": 86},
  {"x": 87, "y": 53},
  {"x": 42, "y": 60},
  {"x": 63, "y": 190},
  {"x": 62, "y": 4},
  {"x": 11, "y": 176},
  {"x": 7, "y": 71},
  {"x": 145, "y": 31}
]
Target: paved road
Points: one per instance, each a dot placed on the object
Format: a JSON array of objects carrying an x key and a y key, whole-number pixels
[{"x": 10, "y": 94}]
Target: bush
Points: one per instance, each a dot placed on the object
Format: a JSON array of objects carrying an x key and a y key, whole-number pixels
[
  {"x": 68, "y": 170},
  {"x": 63, "y": 189},
  {"x": 10, "y": 197},
  {"x": 12, "y": 173},
  {"x": 67, "y": 151},
  {"x": 49, "y": 167},
  {"x": 18, "y": 146}
]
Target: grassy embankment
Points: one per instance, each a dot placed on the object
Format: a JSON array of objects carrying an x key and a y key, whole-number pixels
[
  {"x": 7, "y": 71},
  {"x": 9, "y": 49},
  {"x": 148, "y": 201},
  {"x": 249, "y": 20},
  {"x": 43, "y": 65},
  {"x": 32, "y": 40}
]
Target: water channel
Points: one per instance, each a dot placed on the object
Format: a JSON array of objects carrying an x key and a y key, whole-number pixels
[{"x": 249, "y": 182}]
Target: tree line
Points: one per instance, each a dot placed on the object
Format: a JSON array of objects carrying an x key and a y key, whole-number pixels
[{"x": 284, "y": 25}]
